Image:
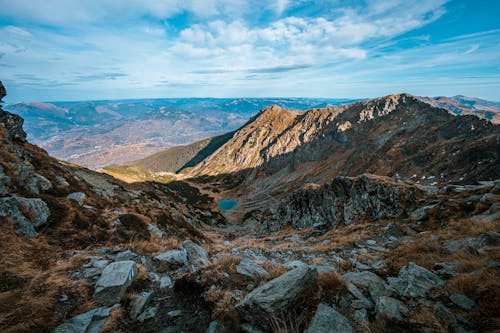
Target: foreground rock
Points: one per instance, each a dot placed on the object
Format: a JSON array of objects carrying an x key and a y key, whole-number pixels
[
  {"x": 278, "y": 296},
  {"x": 114, "y": 281},
  {"x": 88, "y": 322},
  {"x": 328, "y": 320},
  {"x": 248, "y": 268}
]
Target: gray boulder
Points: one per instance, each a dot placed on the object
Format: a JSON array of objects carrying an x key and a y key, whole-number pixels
[
  {"x": 422, "y": 213},
  {"x": 26, "y": 213},
  {"x": 487, "y": 239},
  {"x": 462, "y": 301},
  {"x": 248, "y": 268},
  {"x": 78, "y": 197},
  {"x": 196, "y": 255},
  {"x": 139, "y": 303},
  {"x": 172, "y": 258},
  {"x": 445, "y": 269},
  {"x": 38, "y": 184},
  {"x": 414, "y": 281},
  {"x": 278, "y": 296},
  {"x": 148, "y": 314},
  {"x": 328, "y": 320},
  {"x": 114, "y": 281},
  {"x": 88, "y": 322},
  {"x": 371, "y": 282},
  {"x": 391, "y": 308}
]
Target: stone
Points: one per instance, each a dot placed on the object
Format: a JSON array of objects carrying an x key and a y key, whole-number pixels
[
  {"x": 369, "y": 281},
  {"x": 422, "y": 213},
  {"x": 294, "y": 264},
  {"x": 139, "y": 303},
  {"x": 328, "y": 320},
  {"x": 148, "y": 314},
  {"x": 196, "y": 255},
  {"x": 445, "y": 270},
  {"x": 4, "y": 182},
  {"x": 166, "y": 282},
  {"x": 445, "y": 314},
  {"x": 88, "y": 322},
  {"x": 277, "y": 296},
  {"x": 250, "y": 269},
  {"x": 26, "y": 213},
  {"x": 391, "y": 308},
  {"x": 462, "y": 301},
  {"x": 414, "y": 281},
  {"x": 126, "y": 255},
  {"x": 114, "y": 281},
  {"x": 489, "y": 238},
  {"x": 63, "y": 182},
  {"x": 78, "y": 197},
  {"x": 172, "y": 258},
  {"x": 360, "y": 316},
  {"x": 38, "y": 184},
  {"x": 174, "y": 313},
  {"x": 371, "y": 242},
  {"x": 13, "y": 125},
  {"x": 153, "y": 228},
  {"x": 214, "y": 327},
  {"x": 360, "y": 301}
]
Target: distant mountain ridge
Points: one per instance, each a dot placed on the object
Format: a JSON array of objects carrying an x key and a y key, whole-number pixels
[{"x": 99, "y": 133}]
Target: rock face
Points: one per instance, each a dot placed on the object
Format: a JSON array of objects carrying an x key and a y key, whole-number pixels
[
  {"x": 328, "y": 320},
  {"x": 374, "y": 285},
  {"x": 347, "y": 200},
  {"x": 278, "y": 296},
  {"x": 12, "y": 123},
  {"x": 172, "y": 258},
  {"x": 88, "y": 322},
  {"x": 27, "y": 214},
  {"x": 391, "y": 308},
  {"x": 114, "y": 281}
]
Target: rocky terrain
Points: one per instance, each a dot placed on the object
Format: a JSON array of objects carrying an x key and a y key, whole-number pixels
[{"x": 332, "y": 231}]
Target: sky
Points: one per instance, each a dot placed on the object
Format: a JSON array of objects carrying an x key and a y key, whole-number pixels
[{"x": 61, "y": 50}]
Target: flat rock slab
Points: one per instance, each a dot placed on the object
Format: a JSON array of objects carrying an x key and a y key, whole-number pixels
[
  {"x": 328, "y": 320},
  {"x": 248, "y": 268},
  {"x": 88, "y": 322},
  {"x": 414, "y": 281},
  {"x": 278, "y": 296},
  {"x": 114, "y": 281}
]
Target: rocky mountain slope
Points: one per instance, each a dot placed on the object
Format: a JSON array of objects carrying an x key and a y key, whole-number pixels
[
  {"x": 84, "y": 252},
  {"x": 99, "y": 133},
  {"x": 467, "y": 105}
]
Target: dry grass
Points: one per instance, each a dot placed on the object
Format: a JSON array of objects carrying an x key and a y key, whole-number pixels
[
  {"x": 284, "y": 325},
  {"x": 330, "y": 283},
  {"x": 273, "y": 269},
  {"x": 113, "y": 321},
  {"x": 223, "y": 307},
  {"x": 155, "y": 246}
]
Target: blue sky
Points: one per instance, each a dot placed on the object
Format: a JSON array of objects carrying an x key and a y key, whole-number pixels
[{"x": 78, "y": 50}]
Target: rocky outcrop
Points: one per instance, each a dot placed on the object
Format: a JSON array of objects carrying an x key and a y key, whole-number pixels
[
  {"x": 348, "y": 200},
  {"x": 26, "y": 214},
  {"x": 415, "y": 281},
  {"x": 278, "y": 296},
  {"x": 196, "y": 255},
  {"x": 12, "y": 123}
]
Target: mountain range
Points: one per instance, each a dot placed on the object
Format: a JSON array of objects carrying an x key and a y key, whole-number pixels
[{"x": 378, "y": 215}]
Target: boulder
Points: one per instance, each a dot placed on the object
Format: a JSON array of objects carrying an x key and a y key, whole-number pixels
[
  {"x": 391, "y": 308},
  {"x": 78, "y": 197},
  {"x": 371, "y": 282},
  {"x": 88, "y": 322},
  {"x": 414, "y": 281},
  {"x": 13, "y": 125},
  {"x": 444, "y": 314},
  {"x": 489, "y": 238},
  {"x": 38, "y": 184},
  {"x": 445, "y": 270},
  {"x": 328, "y": 320},
  {"x": 196, "y": 255},
  {"x": 172, "y": 258},
  {"x": 114, "y": 281},
  {"x": 278, "y": 296},
  {"x": 139, "y": 303},
  {"x": 4, "y": 182},
  {"x": 250, "y": 269},
  {"x": 422, "y": 213},
  {"x": 462, "y": 301},
  {"x": 148, "y": 314},
  {"x": 26, "y": 213}
]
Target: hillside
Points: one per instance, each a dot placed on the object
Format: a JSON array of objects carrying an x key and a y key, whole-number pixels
[{"x": 337, "y": 249}]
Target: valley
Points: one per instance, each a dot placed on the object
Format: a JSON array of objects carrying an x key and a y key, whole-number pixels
[{"x": 379, "y": 215}]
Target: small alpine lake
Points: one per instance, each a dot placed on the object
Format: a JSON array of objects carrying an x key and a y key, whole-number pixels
[{"x": 227, "y": 204}]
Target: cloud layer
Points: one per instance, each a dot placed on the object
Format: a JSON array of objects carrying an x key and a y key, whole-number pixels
[{"x": 68, "y": 49}]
